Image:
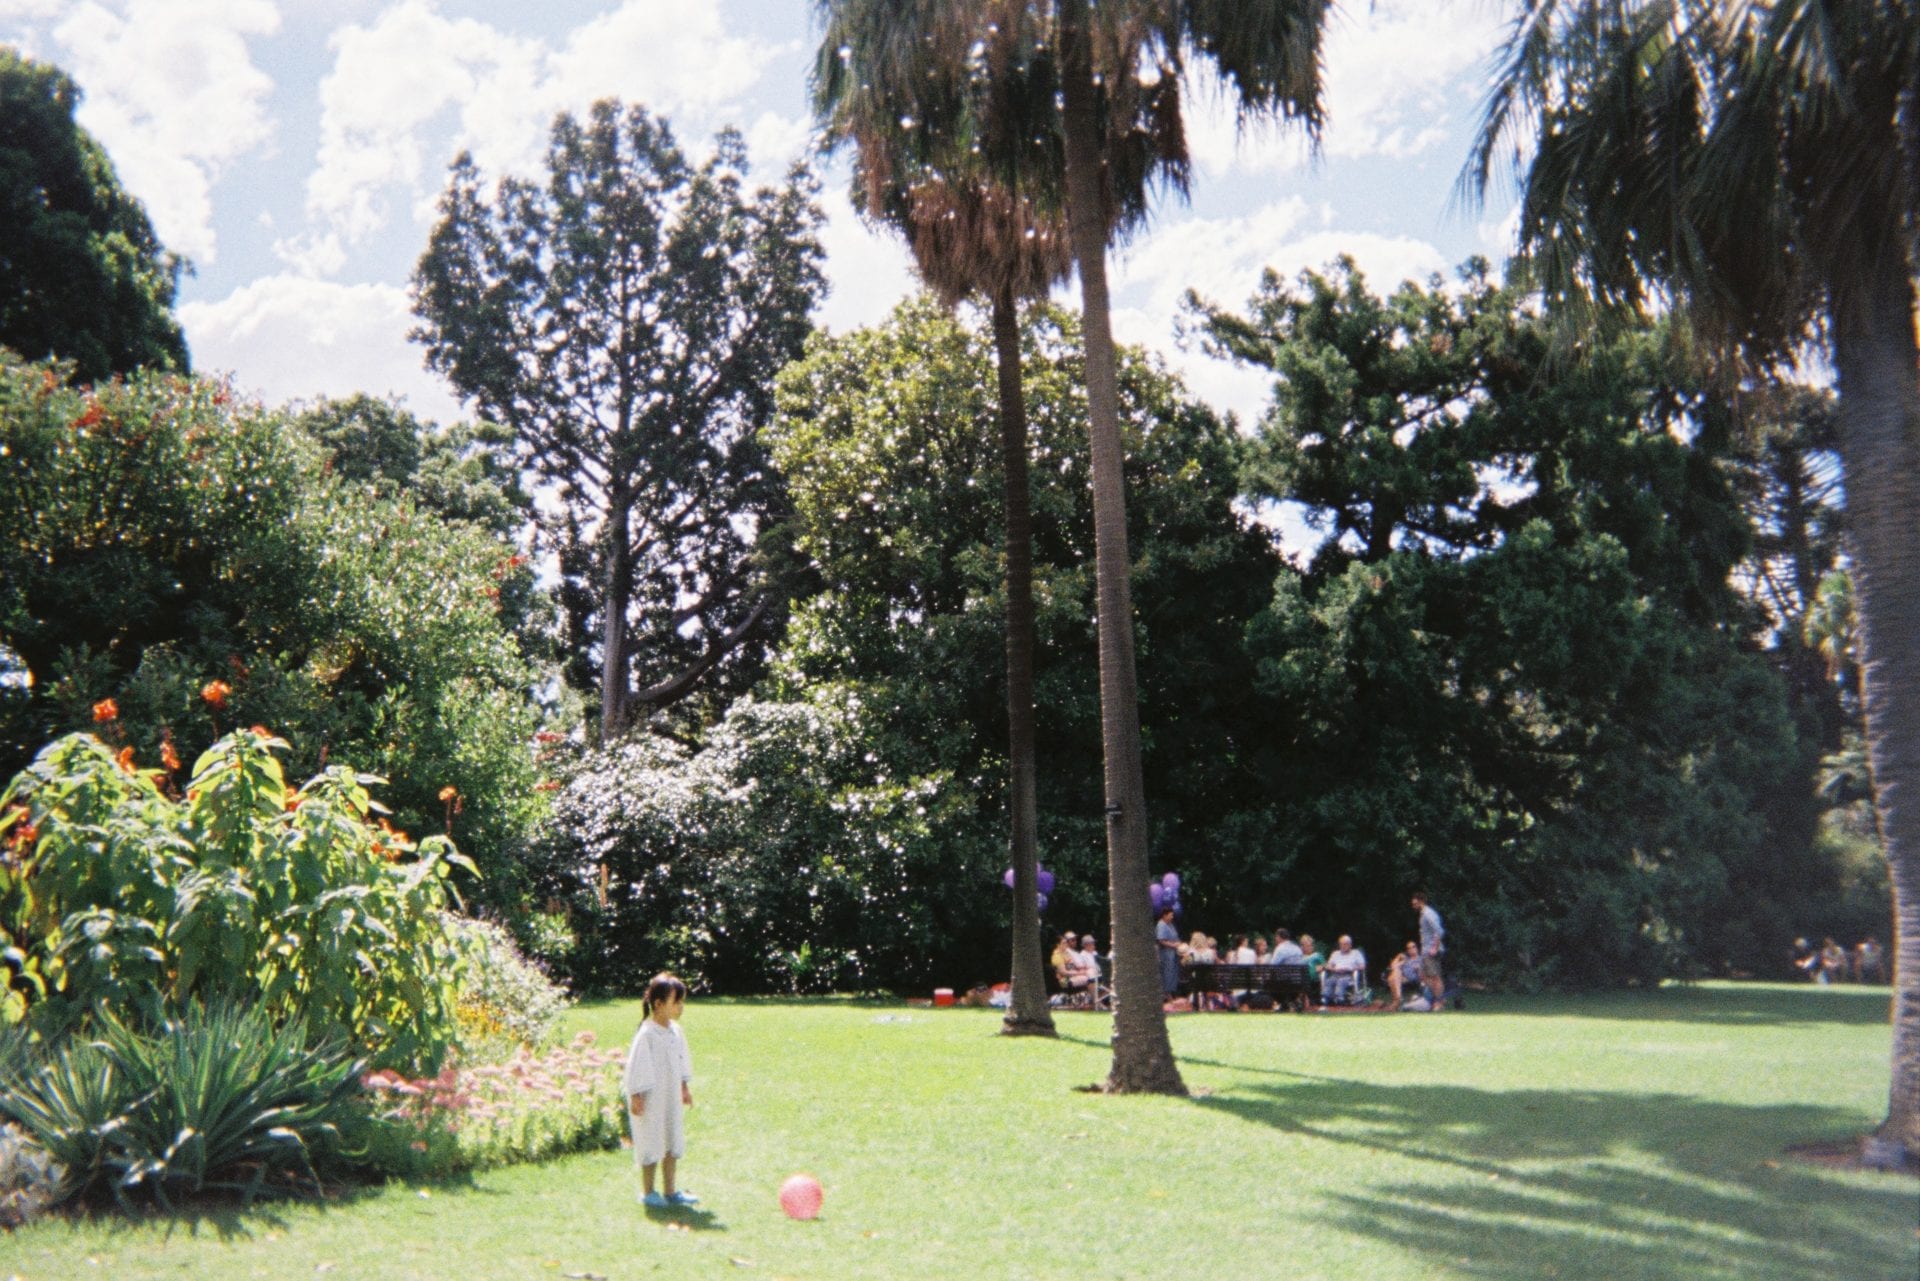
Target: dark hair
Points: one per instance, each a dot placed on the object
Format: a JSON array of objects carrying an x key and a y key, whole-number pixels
[
  {"x": 663, "y": 987},
  {"x": 1281, "y": 936}
]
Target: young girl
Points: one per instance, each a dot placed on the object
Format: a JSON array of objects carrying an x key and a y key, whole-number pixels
[{"x": 659, "y": 1069}]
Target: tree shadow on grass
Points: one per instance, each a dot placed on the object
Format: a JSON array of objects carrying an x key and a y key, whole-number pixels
[
  {"x": 1745, "y": 1005},
  {"x": 1635, "y": 1186}
]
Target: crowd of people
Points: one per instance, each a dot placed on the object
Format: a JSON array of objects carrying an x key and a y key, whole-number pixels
[
  {"x": 1865, "y": 962},
  {"x": 1414, "y": 978}
]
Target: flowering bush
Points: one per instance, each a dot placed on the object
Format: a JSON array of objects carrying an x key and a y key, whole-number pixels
[
  {"x": 779, "y": 857},
  {"x": 177, "y": 562},
  {"x": 114, "y": 891},
  {"x": 505, "y": 1002},
  {"x": 528, "y": 1108}
]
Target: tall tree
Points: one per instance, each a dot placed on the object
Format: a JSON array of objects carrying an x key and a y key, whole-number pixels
[
  {"x": 1759, "y": 164},
  {"x": 1077, "y": 107},
  {"x": 82, "y": 276},
  {"x": 968, "y": 237},
  {"x": 626, "y": 320}
]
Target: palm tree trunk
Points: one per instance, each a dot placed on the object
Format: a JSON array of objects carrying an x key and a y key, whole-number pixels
[
  {"x": 1142, "y": 1055},
  {"x": 1877, "y": 360},
  {"x": 1028, "y": 1014}
]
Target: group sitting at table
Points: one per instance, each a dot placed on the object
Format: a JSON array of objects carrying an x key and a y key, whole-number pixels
[{"x": 1338, "y": 979}]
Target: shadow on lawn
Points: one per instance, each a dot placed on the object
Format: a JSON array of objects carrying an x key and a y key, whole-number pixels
[
  {"x": 1718, "y": 1203},
  {"x": 1755, "y": 1005},
  {"x": 227, "y": 1216}
]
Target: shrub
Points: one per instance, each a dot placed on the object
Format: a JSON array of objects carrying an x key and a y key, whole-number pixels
[
  {"x": 160, "y": 533},
  {"x": 528, "y": 1108},
  {"x": 217, "y": 1098},
  {"x": 30, "y": 1180},
  {"x": 505, "y": 1002},
  {"x": 779, "y": 857},
  {"x": 293, "y": 900}
]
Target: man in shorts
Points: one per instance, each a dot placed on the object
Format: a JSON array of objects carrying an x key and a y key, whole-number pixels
[{"x": 1433, "y": 944}]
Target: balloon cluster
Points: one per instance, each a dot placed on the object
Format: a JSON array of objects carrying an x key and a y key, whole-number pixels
[
  {"x": 1044, "y": 879},
  {"x": 1165, "y": 894}
]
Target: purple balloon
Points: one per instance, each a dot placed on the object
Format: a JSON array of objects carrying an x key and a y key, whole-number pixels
[
  {"x": 1043, "y": 902},
  {"x": 1157, "y": 894},
  {"x": 1172, "y": 881},
  {"x": 1046, "y": 881},
  {"x": 1006, "y": 878}
]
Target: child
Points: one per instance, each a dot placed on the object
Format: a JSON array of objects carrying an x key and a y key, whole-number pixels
[{"x": 658, "y": 1071}]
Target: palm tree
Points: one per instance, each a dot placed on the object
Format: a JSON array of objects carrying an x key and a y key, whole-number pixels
[
  {"x": 1079, "y": 109},
  {"x": 969, "y": 237},
  {"x": 1758, "y": 166}
]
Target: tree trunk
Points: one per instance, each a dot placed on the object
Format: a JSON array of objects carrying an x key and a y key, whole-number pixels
[
  {"x": 1142, "y": 1055},
  {"x": 1877, "y": 360},
  {"x": 613, "y": 636},
  {"x": 1028, "y": 1014}
]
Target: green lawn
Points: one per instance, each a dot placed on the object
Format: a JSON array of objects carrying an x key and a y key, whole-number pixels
[{"x": 1612, "y": 1137}]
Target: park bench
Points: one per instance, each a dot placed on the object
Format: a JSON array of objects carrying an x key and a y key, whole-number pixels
[{"x": 1289, "y": 984}]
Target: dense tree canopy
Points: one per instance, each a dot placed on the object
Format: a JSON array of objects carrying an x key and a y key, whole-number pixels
[
  {"x": 82, "y": 276},
  {"x": 889, "y": 440},
  {"x": 1756, "y": 167},
  {"x": 1517, "y": 637},
  {"x": 625, "y": 319}
]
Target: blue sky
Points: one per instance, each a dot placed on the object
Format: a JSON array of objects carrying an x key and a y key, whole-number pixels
[{"x": 292, "y": 150}]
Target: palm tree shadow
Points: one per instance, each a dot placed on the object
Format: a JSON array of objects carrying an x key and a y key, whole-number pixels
[{"x": 1712, "y": 1203}]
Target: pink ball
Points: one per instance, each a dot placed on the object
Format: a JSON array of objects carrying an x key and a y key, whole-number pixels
[{"x": 800, "y": 1196}]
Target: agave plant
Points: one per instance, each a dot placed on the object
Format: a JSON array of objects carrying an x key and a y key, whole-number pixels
[
  {"x": 225, "y": 1101},
  {"x": 218, "y": 1099}
]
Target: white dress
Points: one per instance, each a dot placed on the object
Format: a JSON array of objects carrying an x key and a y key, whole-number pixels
[{"x": 658, "y": 1064}]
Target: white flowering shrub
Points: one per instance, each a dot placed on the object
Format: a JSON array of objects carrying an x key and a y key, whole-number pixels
[{"x": 778, "y": 858}]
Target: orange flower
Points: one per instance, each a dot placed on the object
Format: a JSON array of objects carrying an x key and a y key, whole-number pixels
[
  {"x": 169, "y": 757},
  {"x": 106, "y": 710},
  {"x": 125, "y": 759},
  {"x": 448, "y": 793},
  {"x": 24, "y": 836},
  {"x": 89, "y": 416},
  {"x": 214, "y": 693},
  {"x": 547, "y": 785},
  {"x": 260, "y": 731}
]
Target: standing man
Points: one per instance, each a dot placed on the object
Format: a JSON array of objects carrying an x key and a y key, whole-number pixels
[
  {"x": 1169, "y": 940},
  {"x": 1433, "y": 943}
]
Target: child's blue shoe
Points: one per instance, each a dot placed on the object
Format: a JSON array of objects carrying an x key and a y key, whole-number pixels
[
  {"x": 683, "y": 1198},
  {"x": 654, "y": 1201}
]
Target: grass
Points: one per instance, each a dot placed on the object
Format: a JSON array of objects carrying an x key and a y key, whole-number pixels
[{"x": 1638, "y": 1136}]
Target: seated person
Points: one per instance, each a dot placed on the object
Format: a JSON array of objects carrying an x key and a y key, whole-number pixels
[
  {"x": 1285, "y": 950},
  {"x": 1090, "y": 959},
  {"x": 1833, "y": 962},
  {"x": 1340, "y": 980},
  {"x": 1404, "y": 972},
  {"x": 1082, "y": 967},
  {"x": 1200, "y": 950},
  {"x": 1805, "y": 959},
  {"x": 1260, "y": 954},
  {"x": 1314, "y": 955},
  {"x": 1069, "y": 942}
]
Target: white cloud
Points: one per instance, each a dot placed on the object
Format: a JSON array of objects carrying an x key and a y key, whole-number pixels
[
  {"x": 172, "y": 93},
  {"x": 869, "y": 270},
  {"x": 1396, "y": 77},
  {"x": 30, "y": 8},
  {"x": 1221, "y": 259},
  {"x": 396, "y": 82},
  {"x": 289, "y": 337},
  {"x": 774, "y": 142}
]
